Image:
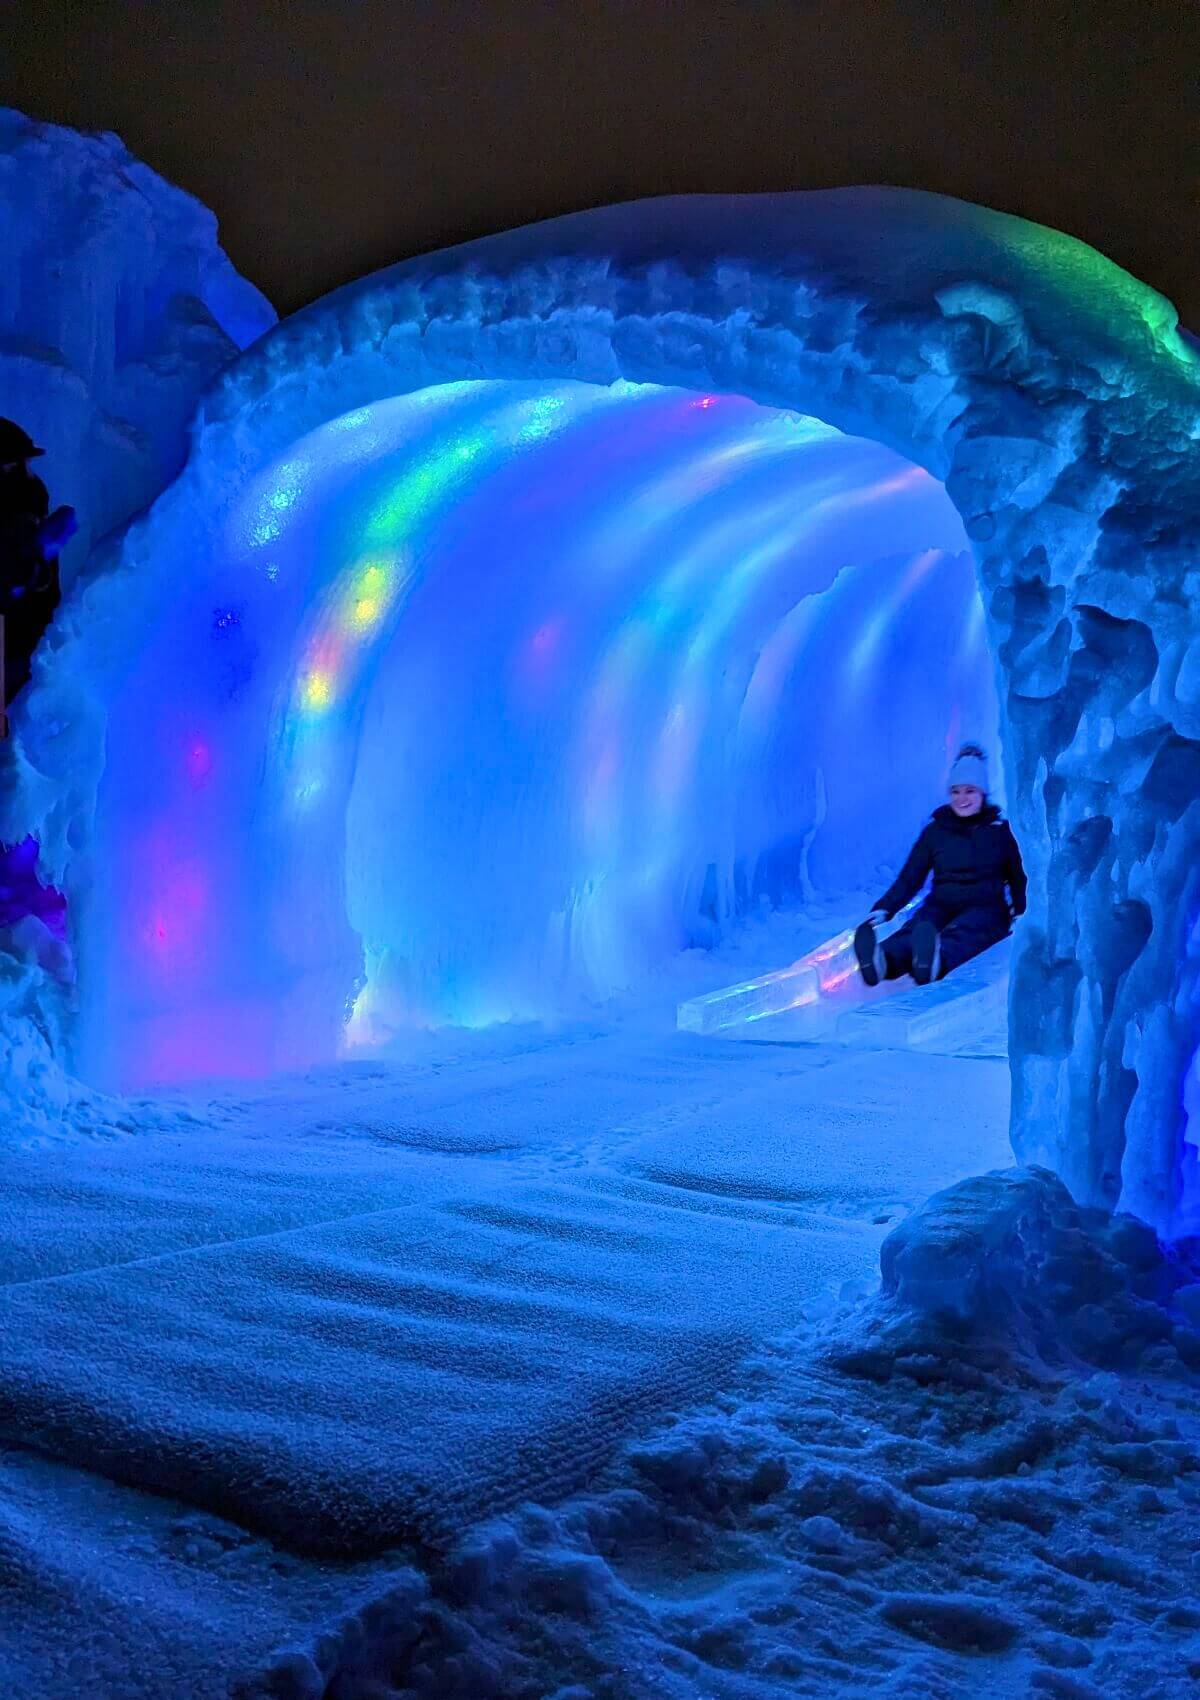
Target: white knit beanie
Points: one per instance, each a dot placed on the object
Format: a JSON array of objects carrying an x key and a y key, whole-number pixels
[{"x": 971, "y": 768}]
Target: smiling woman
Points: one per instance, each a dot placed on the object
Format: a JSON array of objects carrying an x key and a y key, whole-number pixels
[{"x": 514, "y": 623}]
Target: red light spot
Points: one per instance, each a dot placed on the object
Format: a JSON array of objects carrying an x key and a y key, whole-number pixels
[{"x": 705, "y": 401}]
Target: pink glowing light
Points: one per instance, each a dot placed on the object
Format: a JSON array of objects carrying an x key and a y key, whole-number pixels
[
  {"x": 199, "y": 761},
  {"x": 326, "y": 653},
  {"x": 178, "y": 914}
]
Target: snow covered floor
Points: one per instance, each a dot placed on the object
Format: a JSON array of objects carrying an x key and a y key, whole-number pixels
[
  {"x": 961, "y": 1529},
  {"x": 345, "y": 1323},
  {"x": 368, "y": 1312}
]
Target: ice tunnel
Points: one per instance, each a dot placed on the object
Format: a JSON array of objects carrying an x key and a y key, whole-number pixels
[
  {"x": 526, "y": 610},
  {"x": 522, "y": 687}
]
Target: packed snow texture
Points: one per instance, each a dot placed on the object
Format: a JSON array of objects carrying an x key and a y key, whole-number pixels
[
  {"x": 1050, "y": 393},
  {"x": 987, "y": 1485},
  {"x": 361, "y": 1309},
  {"x": 907, "y": 1500}
]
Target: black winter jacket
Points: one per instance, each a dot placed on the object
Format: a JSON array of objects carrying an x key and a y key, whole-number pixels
[
  {"x": 974, "y": 862},
  {"x": 24, "y": 505}
]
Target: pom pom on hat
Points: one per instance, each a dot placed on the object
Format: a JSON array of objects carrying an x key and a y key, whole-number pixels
[{"x": 971, "y": 767}]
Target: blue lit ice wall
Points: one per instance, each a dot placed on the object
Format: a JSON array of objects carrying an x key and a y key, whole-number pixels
[{"x": 496, "y": 694}]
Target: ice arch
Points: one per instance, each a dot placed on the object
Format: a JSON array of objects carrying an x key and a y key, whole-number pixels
[{"x": 1050, "y": 393}]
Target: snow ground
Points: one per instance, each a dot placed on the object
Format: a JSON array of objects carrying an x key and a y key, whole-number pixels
[{"x": 365, "y": 1330}]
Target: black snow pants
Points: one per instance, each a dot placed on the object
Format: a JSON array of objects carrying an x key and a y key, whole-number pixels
[{"x": 964, "y": 933}]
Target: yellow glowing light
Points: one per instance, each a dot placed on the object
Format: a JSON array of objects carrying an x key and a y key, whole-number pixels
[
  {"x": 318, "y": 690},
  {"x": 367, "y": 597}
]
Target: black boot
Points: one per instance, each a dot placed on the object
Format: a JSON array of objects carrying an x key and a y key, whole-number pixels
[
  {"x": 869, "y": 952},
  {"x": 926, "y": 952}
]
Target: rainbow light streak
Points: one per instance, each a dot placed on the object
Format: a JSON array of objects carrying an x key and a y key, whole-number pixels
[
  {"x": 733, "y": 597},
  {"x": 368, "y": 596},
  {"x": 711, "y": 475},
  {"x": 318, "y": 688},
  {"x": 358, "y": 611}
]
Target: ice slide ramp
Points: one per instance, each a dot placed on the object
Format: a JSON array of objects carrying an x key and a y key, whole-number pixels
[
  {"x": 811, "y": 980},
  {"x": 966, "y": 1013},
  {"x": 821, "y": 998}
]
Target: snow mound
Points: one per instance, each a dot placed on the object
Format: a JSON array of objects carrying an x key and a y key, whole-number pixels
[
  {"x": 815, "y": 1533},
  {"x": 1008, "y": 1261}
]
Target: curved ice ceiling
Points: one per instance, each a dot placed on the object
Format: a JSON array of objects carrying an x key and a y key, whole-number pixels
[{"x": 498, "y": 693}]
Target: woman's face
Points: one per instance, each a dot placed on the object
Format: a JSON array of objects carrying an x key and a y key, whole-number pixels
[{"x": 966, "y": 800}]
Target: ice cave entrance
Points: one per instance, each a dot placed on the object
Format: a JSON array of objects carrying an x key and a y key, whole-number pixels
[
  {"x": 480, "y": 701},
  {"x": 456, "y": 677}
]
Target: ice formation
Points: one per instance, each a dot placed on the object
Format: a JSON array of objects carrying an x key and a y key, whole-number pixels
[
  {"x": 117, "y": 308},
  {"x": 391, "y": 638},
  {"x": 560, "y": 655}
]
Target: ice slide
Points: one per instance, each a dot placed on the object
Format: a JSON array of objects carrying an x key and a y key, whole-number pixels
[{"x": 821, "y": 997}]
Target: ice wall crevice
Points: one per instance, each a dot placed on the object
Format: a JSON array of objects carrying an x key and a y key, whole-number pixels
[{"x": 1054, "y": 396}]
